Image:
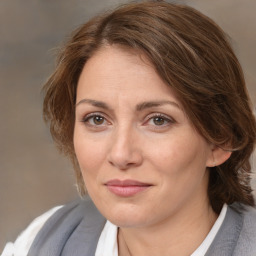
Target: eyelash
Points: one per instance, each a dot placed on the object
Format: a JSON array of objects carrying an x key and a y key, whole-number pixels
[
  {"x": 167, "y": 120},
  {"x": 87, "y": 118}
]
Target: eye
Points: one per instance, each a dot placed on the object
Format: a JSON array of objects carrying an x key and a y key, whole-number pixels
[
  {"x": 95, "y": 120},
  {"x": 159, "y": 120},
  {"x": 98, "y": 120}
]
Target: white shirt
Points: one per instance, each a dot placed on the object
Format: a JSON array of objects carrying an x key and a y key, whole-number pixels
[
  {"x": 22, "y": 244},
  {"x": 107, "y": 244}
]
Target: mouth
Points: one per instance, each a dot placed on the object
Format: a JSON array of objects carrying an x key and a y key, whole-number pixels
[{"x": 126, "y": 188}]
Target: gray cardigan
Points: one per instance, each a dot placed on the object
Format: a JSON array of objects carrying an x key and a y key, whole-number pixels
[{"x": 75, "y": 230}]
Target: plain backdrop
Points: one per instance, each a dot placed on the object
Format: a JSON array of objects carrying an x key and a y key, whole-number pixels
[{"x": 33, "y": 176}]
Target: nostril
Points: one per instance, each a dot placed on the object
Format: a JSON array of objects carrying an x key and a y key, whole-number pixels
[{"x": 124, "y": 161}]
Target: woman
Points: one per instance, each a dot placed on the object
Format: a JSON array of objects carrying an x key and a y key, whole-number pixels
[{"x": 150, "y": 104}]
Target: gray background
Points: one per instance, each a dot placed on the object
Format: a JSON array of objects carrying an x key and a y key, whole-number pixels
[{"x": 33, "y": 176}]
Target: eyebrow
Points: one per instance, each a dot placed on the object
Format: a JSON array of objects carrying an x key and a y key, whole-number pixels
[
  {"x": 152, "y": 104},
  {"x": 96, "y": 103},
  {"x": 140, "y": 107}
]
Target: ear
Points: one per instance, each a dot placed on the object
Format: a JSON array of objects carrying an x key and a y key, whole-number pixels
[{"x": 218, "y": 156}]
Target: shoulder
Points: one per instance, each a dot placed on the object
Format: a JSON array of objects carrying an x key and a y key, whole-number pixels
[
  {"x": 237, "y": 234},
  {"x": 247, "y": 215},
  {"x": 72, "y": 230},
  {"x": 62, "y": 226},
  {"x": 246, "y": 244},
  {"x": 25, "y": 239}
]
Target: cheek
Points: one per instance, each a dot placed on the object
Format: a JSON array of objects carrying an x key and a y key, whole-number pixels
[
  {"x": 180, "y": 157},
  {"x": 89, "y": 161},
  {"x": 181, "y": 166},
  {"x": 89, "y": 154}
]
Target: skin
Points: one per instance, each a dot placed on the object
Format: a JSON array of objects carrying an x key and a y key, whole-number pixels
[{"x": 117, "y": 136}]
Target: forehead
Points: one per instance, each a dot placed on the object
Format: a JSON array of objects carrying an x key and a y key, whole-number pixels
[
  {"x": 121, "y": 70},
  {"x": 112, "y": 60}
]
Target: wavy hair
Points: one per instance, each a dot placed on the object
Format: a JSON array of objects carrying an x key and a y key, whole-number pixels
[{"x": 191, "y": 53}]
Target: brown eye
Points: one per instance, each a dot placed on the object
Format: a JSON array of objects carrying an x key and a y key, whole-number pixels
[
  {"x": 95, "y": 120},
  {"x": 159, "y": 120},
  {"x": 98, "y": 120}
]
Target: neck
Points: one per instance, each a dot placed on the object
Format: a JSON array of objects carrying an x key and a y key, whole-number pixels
[{"x": 187, "y": 228}]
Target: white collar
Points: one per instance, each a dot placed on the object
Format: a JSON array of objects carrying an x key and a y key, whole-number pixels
[
  {"x": 107, "y": 244},
  {"x": 202, "y": 249}
]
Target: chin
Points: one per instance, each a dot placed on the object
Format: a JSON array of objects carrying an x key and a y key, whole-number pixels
[
  {"x": 128, "y": 216},
  {"x": 128, "y": 221}
]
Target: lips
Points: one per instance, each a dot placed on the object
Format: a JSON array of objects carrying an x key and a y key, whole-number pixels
[{"x": 126, "y": 188}]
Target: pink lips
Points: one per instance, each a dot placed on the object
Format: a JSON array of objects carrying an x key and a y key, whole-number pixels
[{"x": 126, "y": 188}]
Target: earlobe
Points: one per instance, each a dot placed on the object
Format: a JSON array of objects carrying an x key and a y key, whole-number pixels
[{"x": 218, "y": 156}]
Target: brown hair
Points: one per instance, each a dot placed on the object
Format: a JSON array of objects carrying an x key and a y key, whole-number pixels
[{"x": 192, "y": 55}]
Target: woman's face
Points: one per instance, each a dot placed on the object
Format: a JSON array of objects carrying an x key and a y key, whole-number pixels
[{"x": 142, "y": 160}]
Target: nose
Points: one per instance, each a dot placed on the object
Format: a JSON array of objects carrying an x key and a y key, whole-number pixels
[{"x": 125, "y": 151}]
